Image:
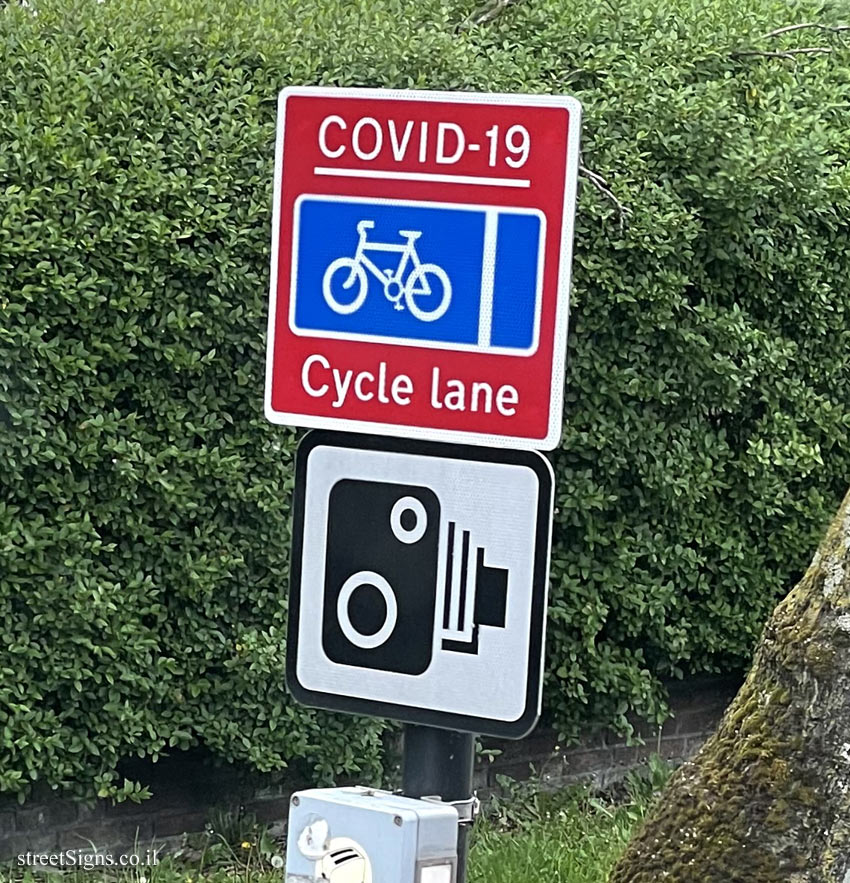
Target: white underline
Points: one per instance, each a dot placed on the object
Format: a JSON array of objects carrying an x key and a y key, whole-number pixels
[{"x": 422, "y": 176}]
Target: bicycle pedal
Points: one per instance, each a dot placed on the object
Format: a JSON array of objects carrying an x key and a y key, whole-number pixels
[{"x": 398, "y": 306}]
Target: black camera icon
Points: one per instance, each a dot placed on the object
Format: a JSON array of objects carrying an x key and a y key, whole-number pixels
[{"x": 383, "y": 580}]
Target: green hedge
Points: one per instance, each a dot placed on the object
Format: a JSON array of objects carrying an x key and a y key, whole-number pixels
[{"x": 144, "y": 502}]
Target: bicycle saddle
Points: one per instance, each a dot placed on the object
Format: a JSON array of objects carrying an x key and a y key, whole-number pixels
[
  {"x": 364, "y": 225},
  {"x": 410, "y": 234}
]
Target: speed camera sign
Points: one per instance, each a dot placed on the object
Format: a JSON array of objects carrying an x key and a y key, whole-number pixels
[{"x": 419, "y": 581}]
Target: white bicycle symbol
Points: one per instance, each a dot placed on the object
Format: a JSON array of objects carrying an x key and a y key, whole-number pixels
[{"x": 416, "y": 286}]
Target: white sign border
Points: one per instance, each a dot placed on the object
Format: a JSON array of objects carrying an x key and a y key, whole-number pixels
[{"x": 559, "y": 350}]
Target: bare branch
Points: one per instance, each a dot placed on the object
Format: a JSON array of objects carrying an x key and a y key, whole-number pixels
[
  {"x": 604, "y": 188},
  {"x": 791, "y": 53},
  {"x": 486, "y": 14},
  {"x": 835, "y": 29},
  {"x": 785, "y": 53}
]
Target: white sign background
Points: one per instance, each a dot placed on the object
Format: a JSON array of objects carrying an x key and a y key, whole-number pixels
[{"x": 498, "y": 502}]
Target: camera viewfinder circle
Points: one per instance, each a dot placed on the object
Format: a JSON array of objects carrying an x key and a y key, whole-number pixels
[
  {"x": 349, "y": 587},
  {"x": 420, "y": 525}
]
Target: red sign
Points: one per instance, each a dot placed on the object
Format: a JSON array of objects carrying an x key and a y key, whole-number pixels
[{"x": 421, "y": 252}]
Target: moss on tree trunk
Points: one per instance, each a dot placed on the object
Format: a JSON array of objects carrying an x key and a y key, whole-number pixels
[{"x": 767, "y": 799}]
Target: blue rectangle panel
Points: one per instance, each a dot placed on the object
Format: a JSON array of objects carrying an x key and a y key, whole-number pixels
[{"x": 417, "y": 272}]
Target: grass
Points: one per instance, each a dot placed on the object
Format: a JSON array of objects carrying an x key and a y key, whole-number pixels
[
  {"x": 524, "y": 836},
  {"x": 570, "y": 837}
]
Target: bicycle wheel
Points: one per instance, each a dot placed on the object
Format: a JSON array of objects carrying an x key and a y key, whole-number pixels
[
  {"x": 436, "y": 292},
  {"x": 352, "y": 272}
]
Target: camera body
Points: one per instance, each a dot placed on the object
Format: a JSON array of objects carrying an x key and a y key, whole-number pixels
[
  {"x": 381, "y": 575},
  {"x": 385, "y": 594}
]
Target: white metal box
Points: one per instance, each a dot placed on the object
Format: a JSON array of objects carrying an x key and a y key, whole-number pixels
[{"x": 360, "y": 835}]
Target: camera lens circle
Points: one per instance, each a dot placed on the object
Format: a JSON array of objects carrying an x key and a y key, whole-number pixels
[
  {"x": 420, "y": 520},
  {"x": 349, "y": 587}
]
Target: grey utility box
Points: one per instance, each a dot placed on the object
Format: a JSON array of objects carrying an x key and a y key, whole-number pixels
[{"x": 360, "y": 835}]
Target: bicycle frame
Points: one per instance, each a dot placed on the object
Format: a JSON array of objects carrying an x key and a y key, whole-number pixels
[
  {"x": 408, "y": 253},
  {"x": 402, "y": 294}
]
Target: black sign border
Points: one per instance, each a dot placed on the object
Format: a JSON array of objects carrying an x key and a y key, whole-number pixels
[{"x": 516, "y": 729}]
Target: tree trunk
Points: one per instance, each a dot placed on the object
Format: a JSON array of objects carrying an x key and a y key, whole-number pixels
[{"x": 767, "y": 799}]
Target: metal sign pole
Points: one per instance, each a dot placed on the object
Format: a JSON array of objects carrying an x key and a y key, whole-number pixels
[{"x": 439, "y": 763}]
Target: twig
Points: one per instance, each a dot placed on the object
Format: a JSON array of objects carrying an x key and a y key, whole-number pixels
[
  {"x": 785, "y": 53},
  {"x": 486, "y": 14},
  {"x": 604, "y": 188},
  {"x": 791, "y": 53},
  {"x": 835, "y": 29}
]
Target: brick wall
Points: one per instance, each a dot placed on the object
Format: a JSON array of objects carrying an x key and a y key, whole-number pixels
[
  {"x": 604, "y": 758},
  {"x": 189, "y": 790}
]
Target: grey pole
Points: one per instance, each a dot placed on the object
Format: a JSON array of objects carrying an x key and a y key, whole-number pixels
[{"x": 438, "y": 763}]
